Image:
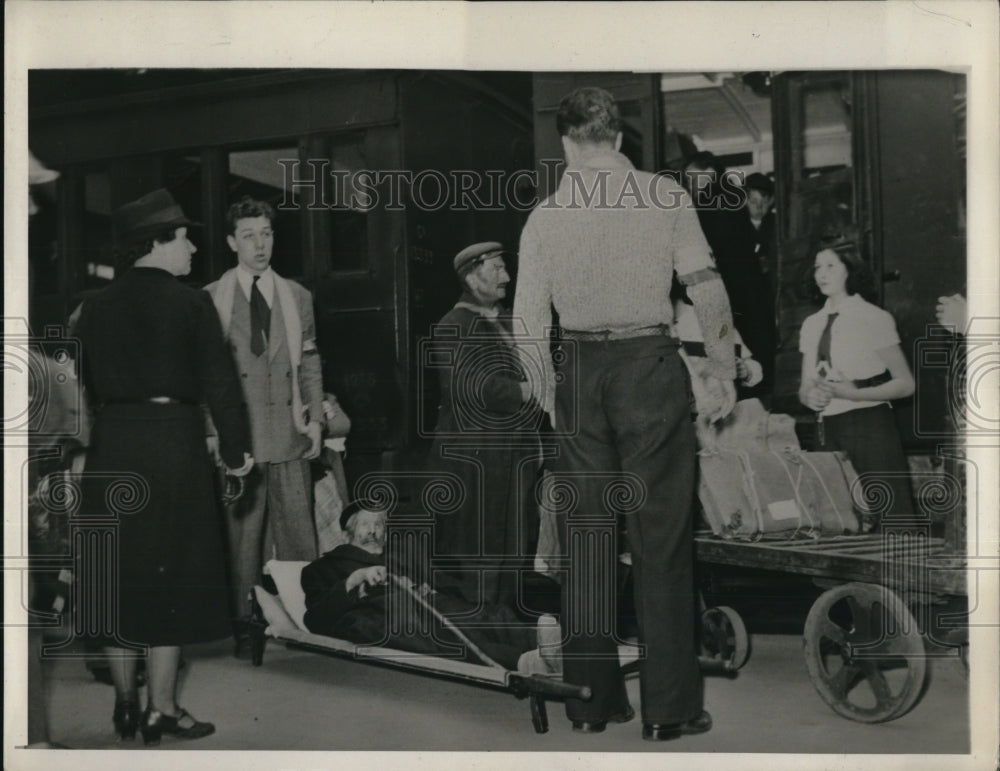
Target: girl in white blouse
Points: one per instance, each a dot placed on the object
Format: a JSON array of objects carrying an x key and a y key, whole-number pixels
[{"x": 852, "y": 365}]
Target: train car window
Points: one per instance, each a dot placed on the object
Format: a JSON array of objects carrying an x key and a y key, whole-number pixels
[
  {"x": 261, "y": 174},
  {"x": 829, "y": 209},
  {"x": 350, "y": 191}
]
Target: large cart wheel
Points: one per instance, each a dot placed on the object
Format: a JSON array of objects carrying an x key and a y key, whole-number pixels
[
  {"x": 864, "y": 652},
  {"x": 724, "y": 637}
]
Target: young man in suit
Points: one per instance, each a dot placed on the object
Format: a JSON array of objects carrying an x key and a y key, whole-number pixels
[{"x": 268, "y": 322}]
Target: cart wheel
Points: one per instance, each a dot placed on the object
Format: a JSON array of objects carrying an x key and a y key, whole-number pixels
[
  {"x": 724, "y": 637},
  {"x": 864, "y": 653}
]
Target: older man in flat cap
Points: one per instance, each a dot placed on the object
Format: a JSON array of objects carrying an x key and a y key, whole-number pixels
[{"x": 486, "y": 435}]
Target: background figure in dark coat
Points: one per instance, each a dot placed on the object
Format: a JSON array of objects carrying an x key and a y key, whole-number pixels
[
  {"x": 350, "y": 595},
  {"x": 733, "y": 241},
  {"x": 486, "y": 436},
  {"x": 152, "y": 352}
]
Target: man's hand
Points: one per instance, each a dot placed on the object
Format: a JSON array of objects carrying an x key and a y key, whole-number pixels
[
  {"x": 362, "y": 577},
  {"x": 721, "y": 398},
  {"x": 953, "y": 312},
  {"x": 212, "y": 443},
  {"x": 749, "y": 372},
  {"x": 315, "y": 433}
]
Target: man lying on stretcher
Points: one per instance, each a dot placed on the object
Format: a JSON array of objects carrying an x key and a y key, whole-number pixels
[{"x": 351, "y": 594}]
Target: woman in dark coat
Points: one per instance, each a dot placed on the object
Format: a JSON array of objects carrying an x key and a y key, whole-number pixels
[{"x": 152, "y": 353}]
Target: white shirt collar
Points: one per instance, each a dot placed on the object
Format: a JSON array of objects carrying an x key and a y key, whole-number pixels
[
  {"x": 852, "y": 300},
  {"x": 265, "y": 284}
]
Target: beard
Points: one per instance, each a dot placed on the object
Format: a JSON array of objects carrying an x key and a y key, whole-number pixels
[{"x": 370, "y": 545}]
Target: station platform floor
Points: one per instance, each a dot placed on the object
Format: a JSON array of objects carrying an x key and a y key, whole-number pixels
[{"x": 303, "y": 701}]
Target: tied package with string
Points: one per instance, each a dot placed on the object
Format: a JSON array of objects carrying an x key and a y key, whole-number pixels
[{"x": 756, "y": 482}]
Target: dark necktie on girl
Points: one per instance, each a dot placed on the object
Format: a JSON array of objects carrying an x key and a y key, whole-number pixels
[{"x": 823, "y": 357}]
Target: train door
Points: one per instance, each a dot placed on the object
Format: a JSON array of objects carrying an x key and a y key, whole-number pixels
[
  {"x": 895, "y": 191},
  {"x": 821, "y": 198},
  {"x": 357, "y": 278}
]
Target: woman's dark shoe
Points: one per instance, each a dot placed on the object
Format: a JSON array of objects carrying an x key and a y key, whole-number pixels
[
  {"x": 596, "y": 726},
  {"x": 662, "y": 732},
  {"x": 126, "y": 718},
  {"x": 182, "y": 725}
]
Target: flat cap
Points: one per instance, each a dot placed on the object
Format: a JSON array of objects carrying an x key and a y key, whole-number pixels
[{"x": 471, "y": 256}]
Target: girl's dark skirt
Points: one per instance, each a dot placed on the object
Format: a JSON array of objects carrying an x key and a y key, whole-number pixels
[
  {"x": 149, "y": 481},
  {"x": 871, "y": 440}
]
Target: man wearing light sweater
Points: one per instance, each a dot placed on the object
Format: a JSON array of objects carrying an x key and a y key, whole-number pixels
[{"x": 603, "y": 250}]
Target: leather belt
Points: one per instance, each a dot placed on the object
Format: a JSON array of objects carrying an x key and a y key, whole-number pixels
[
  {"x": 875, "y": 380},
  {"x": 601, "y": 335},
  {"x": 697, "y": 348}
]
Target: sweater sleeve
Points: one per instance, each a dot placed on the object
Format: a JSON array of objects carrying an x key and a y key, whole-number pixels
[
  {"x": 533, "y": 308},
  {"x": 696, "y": 270}
]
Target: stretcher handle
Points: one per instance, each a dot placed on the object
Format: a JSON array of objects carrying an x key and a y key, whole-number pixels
[{"x": 548, "y": 686}]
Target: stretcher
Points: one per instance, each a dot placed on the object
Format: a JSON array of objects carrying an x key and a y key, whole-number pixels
[
  {"x": 277, "y": 612},
  {"x": 278, "y": 615}
]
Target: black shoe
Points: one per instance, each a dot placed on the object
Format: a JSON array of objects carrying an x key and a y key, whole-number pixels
[
  {"x": 589, "y": 726},
  {"x": 662, "y": 732},
  {"x": 596, "y": 726},
  {"x": 623, "y": 717},
  {"x": 155, "y": 724},
  {"x": 126, "y": 718}
]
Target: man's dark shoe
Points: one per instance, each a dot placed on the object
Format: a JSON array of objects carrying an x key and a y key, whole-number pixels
[
  {"x": 662, "y": 732},
  {"x": 596, "y": 726},
  {"x": 623, "y": 717},
  {"x": 589, "y": 726}
]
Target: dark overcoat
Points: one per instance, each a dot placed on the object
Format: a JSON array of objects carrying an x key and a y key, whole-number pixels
[
  {"x": 148, "y": 470},
  {"x": 389, "y": 616},
  {"x": 487, "y": 438}
]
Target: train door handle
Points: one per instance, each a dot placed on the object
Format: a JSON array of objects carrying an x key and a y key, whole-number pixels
[{"x": 891, "y": 275}]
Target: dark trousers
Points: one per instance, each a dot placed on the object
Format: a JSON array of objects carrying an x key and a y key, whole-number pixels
[
  {"x": 629, "y": 449},
  {"x": 871, "y": 440},
  {"x": 273, "y": 519}
]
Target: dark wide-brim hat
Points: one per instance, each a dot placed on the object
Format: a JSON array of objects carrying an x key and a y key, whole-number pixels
[
  {"x": 471, "y": 256},
  {"x": 147, "y": 217}
]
